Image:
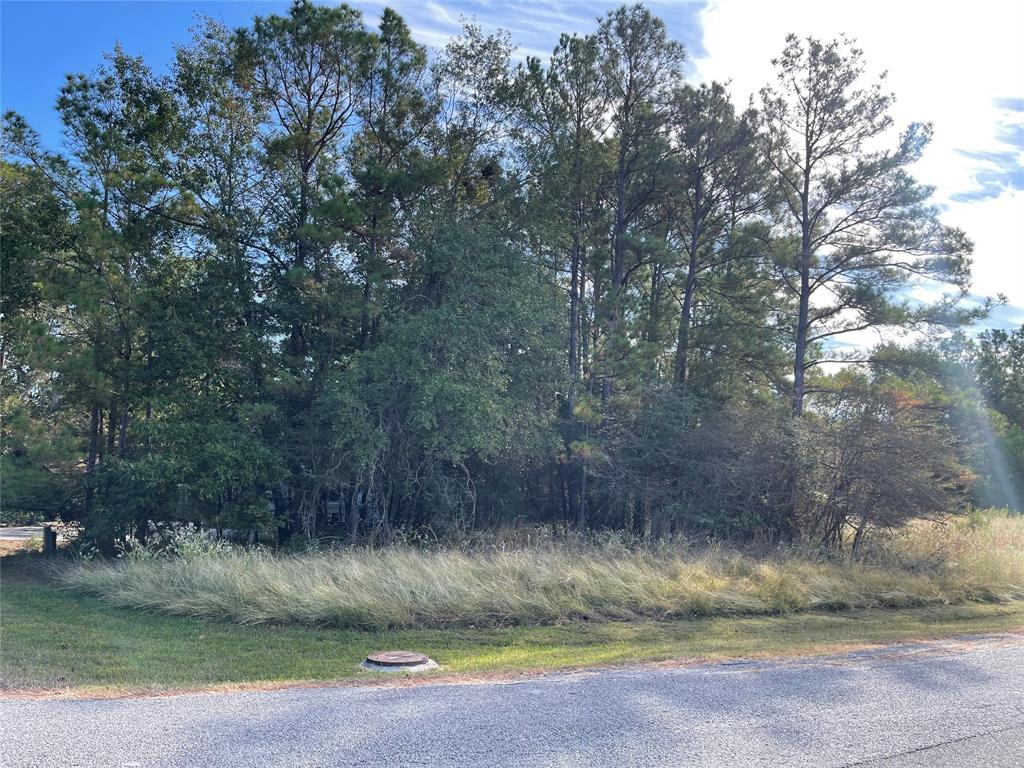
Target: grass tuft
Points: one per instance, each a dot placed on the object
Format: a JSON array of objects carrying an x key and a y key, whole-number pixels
[{"x": 976, "y": 559}]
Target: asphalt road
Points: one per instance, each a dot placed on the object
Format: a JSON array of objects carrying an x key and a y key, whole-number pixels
[
  {"x": 21, "y": 532},
  {"x": 941, "y": 704}
]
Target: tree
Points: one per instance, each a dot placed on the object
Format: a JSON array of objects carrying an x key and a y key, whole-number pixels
[
  {"x": 682, "y": 463},
  {"x": 121, "y": 126},
  {"x": 40, "y": 446},
  {"x": 720, "y": 187},
  {"x": 390, "y": 162},
  {"x": 861, "y": 228},
  {"x": 977, "y": 383},
  {"x": 563, "y": 113},
  {"x": 318, "y": 283},
  {"x": 997, "y": 359},
  {"x": 884, "y": 456},
  {"x": 641, "y": 67},
  {"x": 219, "y": 168},
  {"x": 564, "y": 110},
  {"x": 309, "y": 70}
]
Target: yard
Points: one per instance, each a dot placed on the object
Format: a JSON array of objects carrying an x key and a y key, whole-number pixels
[{"x": 62, "y": 633}]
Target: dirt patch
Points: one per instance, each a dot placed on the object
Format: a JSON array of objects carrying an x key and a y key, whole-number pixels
[{"x": 18, "y": 546}]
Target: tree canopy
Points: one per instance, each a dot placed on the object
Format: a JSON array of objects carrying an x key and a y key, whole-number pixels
[{"x": 319, "y": 281}]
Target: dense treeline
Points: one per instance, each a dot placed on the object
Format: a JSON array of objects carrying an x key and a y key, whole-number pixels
[{"x": 316, "y": 282}]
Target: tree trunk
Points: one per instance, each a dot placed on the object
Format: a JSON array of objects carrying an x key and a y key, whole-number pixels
[
  {"x": 122, "y": 433},
  {"x": 369, "y": 267},
  {"x": 683, "y": 341},
  {"x": 91, "y": 456},
  {"x": 364, "y": 315},
  {"x": 112, "y": 422},
  {"x": 574, "y": 268},
  {"x": 654, "y": 306},
  {"x": 353, "y": 515},
  {"x": 618, "y": 271},
  {"x": 805, "y": 293}
]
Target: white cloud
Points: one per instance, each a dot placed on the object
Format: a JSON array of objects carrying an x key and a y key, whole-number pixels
[{"x": 948, "y": 63}]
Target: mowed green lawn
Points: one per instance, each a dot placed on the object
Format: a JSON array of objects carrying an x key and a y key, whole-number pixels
[{"x": 51, "y": 640}]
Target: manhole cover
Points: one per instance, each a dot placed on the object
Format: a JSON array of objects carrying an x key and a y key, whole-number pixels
[{"x": 397, "y": 659}]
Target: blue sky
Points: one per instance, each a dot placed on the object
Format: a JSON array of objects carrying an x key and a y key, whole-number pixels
[
  {"x": 42, "y": 41},
  {"x": 961, "y": 71}
]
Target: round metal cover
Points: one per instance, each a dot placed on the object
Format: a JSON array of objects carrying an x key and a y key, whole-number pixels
[{"x": 397, "y": 658}]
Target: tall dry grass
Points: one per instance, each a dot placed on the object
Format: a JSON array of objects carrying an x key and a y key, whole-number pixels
[{"x": 975, "y": 559}]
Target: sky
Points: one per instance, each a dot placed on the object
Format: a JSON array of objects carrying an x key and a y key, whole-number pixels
[{"x": 959, "y": 66}]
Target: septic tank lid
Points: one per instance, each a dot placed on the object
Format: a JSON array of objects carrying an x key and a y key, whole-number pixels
[{"x": 397, "y": 659}]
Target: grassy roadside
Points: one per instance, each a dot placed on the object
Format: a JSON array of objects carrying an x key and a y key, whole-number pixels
[
  {"x": 55, "y": 641},
  {"x": 554, "y": 582}
]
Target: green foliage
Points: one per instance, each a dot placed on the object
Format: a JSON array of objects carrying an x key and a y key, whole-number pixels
[
  {"x": 862, "y": 229},
  {"x": 317, "y": 283},
  {"x": 975, "y": 384}
]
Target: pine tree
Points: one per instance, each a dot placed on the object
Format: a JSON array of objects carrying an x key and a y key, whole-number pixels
[{"x": 862, "y": 229}]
